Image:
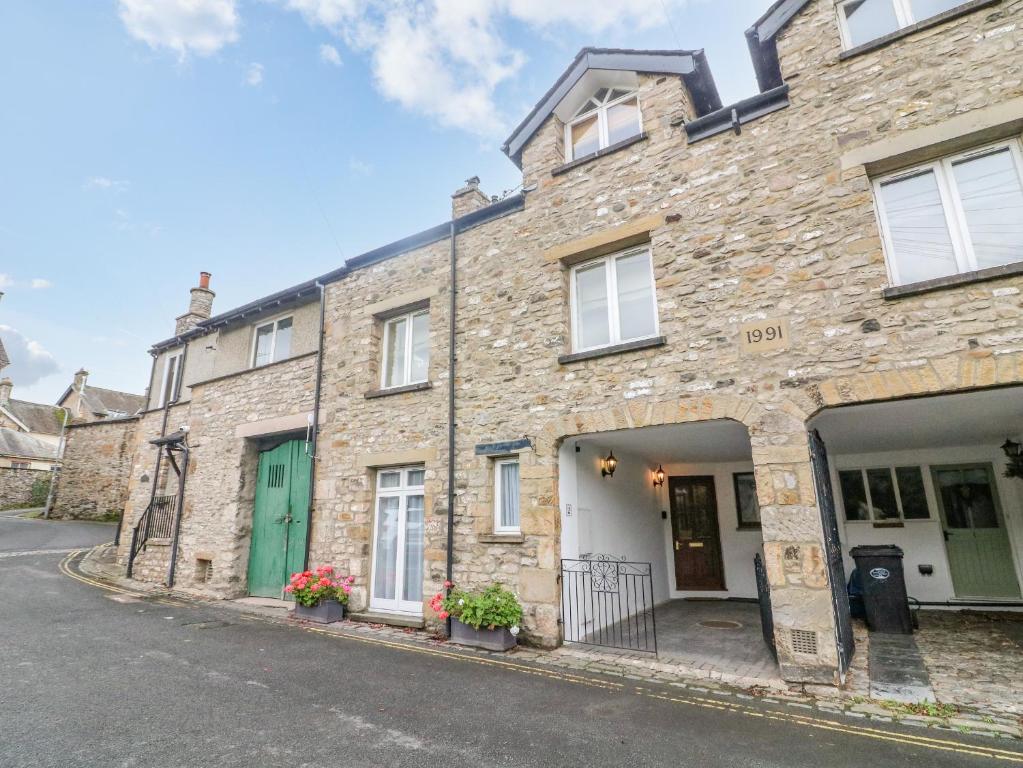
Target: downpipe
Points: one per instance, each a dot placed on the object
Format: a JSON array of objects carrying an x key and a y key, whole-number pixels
[
  {"x": 451, "y": 415},
  {"x": 313, "y": 436}
]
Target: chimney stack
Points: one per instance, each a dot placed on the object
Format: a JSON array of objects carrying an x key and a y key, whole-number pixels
[
  {"x": 80, "y": 376},
  {"x": 200, "y": 307},
  {"x": 6, "y": 385},
  {"x": 468, "y": 199}
]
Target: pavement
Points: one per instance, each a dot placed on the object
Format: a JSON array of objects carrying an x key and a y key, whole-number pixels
[{"x": 93, "y": 674}]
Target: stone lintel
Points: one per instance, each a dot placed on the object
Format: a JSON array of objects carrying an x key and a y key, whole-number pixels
[
  {"x": 605, "y": 241},
  {"x": 400, "y": 301},
  {"x": 276, "y": 425},
  {"x": 393, "y": 458},
  {"x": 978, "y": 126}
]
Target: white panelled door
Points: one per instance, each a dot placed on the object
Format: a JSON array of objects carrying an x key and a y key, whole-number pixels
[{"x": 398, "y": 541}]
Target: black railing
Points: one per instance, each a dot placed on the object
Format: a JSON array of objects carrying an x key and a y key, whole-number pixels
[
  {"x": 157, "y": 522},
  {"x": 608, "y": 602},
  {"x": 764, "y": 597}
]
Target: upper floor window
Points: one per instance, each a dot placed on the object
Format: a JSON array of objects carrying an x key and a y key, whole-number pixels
[
  {"x": 272, "y": 342},
  {"x": 609, "y": 116},
  {"x": 957, "y": 214},
  {"x": 406, "y": 349},
  {"x": 865, "y": 20},
  {"x": 171, "y": 383},
  {"x": 613, "y": 300}
]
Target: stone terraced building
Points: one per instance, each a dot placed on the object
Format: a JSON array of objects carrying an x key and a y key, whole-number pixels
[{"x": 701, "y": 333}]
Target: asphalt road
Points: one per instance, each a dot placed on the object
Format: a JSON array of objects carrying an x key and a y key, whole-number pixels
[{"x": 95, "y": 678}]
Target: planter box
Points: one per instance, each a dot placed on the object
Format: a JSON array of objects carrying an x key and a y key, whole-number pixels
[
  {"x": 324, "y": 612},
  {"x": 500, "y": 639}
]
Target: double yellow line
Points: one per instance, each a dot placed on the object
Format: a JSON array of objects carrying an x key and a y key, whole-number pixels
[{"x": 806, "y": 721}]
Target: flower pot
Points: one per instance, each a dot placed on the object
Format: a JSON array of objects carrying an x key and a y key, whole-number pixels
[
  {"x": 324, "y": 612},
  {"x": 500, "y": 639}
]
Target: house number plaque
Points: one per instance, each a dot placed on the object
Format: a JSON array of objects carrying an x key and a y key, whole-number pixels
[{"x": 764, "y": 335}]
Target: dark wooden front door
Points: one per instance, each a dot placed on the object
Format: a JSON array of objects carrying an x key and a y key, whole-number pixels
[{"x": 696, "y": 535}]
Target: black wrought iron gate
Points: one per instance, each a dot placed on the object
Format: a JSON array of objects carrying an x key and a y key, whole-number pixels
[
  {"x": 608, "y": 602},
  {"x": 764, "y": 598},
  {"x": 832, "y": 550}
]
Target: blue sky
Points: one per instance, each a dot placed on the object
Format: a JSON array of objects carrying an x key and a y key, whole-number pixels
[{"x": 263, "y": 141}]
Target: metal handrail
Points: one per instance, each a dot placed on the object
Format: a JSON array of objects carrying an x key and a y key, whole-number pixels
[{"x": 157, "y": 522}]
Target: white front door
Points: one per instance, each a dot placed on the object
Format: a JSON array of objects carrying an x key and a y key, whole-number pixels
[{"x": 398, "y": 541}]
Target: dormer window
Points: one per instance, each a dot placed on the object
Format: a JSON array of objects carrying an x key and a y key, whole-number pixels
[{"x": 609, "y": 116}]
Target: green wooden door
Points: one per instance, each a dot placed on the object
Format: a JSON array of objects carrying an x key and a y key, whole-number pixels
[
  {"x": 979, "y": 552},
  {"x": 279, "y": 519}
]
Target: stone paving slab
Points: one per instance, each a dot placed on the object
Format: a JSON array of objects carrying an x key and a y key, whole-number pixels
[{"x": 852, "y": 701}]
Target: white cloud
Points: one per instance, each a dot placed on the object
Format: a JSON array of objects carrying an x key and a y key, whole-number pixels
[
  {"x": 200, "y": 27},
  {"x": 254, "y": 74},
  {"x": 41, "y": 282},
  {"x": 105, "y": 183},
  {"x": 360, "y": 167},
  {"x": 447, "y": 58},
  {"x": 29, "y": 361},
  {"x": 329, "y": 54},
  {"x": 6, "y": 281}
]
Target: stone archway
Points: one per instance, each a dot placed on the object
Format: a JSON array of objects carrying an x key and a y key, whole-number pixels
[
  {"x": 792, "y": 530},
  {"x": 940, "y": 375}
]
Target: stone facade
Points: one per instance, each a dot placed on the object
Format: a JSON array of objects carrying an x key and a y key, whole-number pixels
[
  {"x": 776, "y": 221},
  {"x": 94, "y": 476},
  {"x": 16, "y": 486}
]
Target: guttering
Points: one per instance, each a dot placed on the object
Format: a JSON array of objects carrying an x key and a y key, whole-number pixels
[
  {"x": 451, "y": 414},
  {"x": 314, "y": 428},
  {"x": 734, "y": 116}
]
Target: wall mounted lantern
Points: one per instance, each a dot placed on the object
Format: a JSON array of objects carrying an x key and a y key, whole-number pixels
[
  {"x": 608, "y": 465},
  {"x": 659, "y": 476},
  {"x": 1014, "y": 453}
]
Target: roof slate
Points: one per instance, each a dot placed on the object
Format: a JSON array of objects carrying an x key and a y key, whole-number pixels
[
  {"x": 102, "y": 401},
  {"x": 19, "y": 444},
  {"x": 39, "y": 418}
]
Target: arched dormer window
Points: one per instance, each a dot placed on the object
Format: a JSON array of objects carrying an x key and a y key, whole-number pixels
[{"x": 609, "y": 116}]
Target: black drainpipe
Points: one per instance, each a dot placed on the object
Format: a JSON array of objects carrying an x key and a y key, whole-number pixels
[
  {"x": 453, "y": 286},
  {"x": 314, "y": 429},
  {"x": 180, "y": 505}
]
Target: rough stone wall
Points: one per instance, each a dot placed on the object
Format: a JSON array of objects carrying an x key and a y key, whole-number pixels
[
  {"x": 359, "y": 434},
  {"x": 220, "y": 488},
  {"x": 94, "y": 475},
  {"x": 16, "y": 486},
  {"x": 765, "y": 224}
]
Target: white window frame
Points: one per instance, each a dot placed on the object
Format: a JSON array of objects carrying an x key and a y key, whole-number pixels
[
  {"x": 890, "y": 468},
  {"x": 402, "y": 491},
  {"x": 176, "y": 391},
  {"x": 611, "y": 282},
  {"x": 275, "y": 322},
  {"x": 951, "y": 202},
  {"x": 389, "y": 322},
  {"x": 498, "y": 463},
  {"x": 903, "y": 15},
  {"x": 601, "y": 111}
]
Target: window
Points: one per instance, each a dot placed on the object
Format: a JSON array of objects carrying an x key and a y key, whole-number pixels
[
  {"x": 406, "y": 349},
  {"x": 746, "y": 503},
  {"x": 272, "y": 342},
  {"x": 21, "y": 465},
  {"x": 609, "y": 116},
  {"x": 954, "y": 215},
  {"x": 398, "y": 540},
  {"x": 506, "y": 496},
  {"x": 862, "y": 21},
  {"x": 884, "y": 494},
  {"x": 613, "y": 300},
  {"x": 169, "y": 390}
]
